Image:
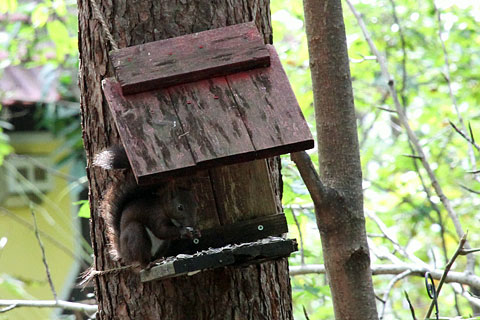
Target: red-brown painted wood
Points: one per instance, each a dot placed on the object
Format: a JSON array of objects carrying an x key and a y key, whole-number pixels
[
  {"x": 211, "y": 121},
  {"x": 197, "y": 125},
  {"x": 150, "y": 131},
  {"x": 189, "y": 58},
  {"x": 270, "y": 110}
]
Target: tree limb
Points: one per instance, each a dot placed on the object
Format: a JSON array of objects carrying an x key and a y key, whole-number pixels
[
  {"x": 310, "y": 176},
  {"x": 65, "y": 305},
  {"x": 395, "y": 269}
]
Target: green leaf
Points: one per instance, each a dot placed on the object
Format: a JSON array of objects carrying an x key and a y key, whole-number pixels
[
  {"x": 84, "y": 211},
  {"x": 40, "y": 16},
  {"x": 8, "y": 6},
  {"x": 58, "y": 33}
]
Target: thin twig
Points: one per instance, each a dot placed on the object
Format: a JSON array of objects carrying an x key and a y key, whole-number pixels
[
  {"x": 412, "y": 310},
  {"x": 305, "y": 313},
  {"x": 412, "y": 156},
  {"x": 433, "y": 205},
  {"x": 464, "y": 252},
  {"x": 387, "y": 109},
  {"x": 396, "y": 245},
  {"x": 13, "y": 306},
  {"x": 44, "y": 257},
  {"x": 464, "y": 136},
  {"x": 469, "y": 190},
  {"x": 404, "y": 53},
  {"x": 302, "y": 253},
  {"x": 390, "y": 286},
  {"x": 449, "y": 84},
  {"x": 449, "y": 265},
  {"x": 28, "y": 225}
]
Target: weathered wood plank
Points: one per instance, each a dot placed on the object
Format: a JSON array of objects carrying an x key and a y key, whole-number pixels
[
  {"x": 236, "y": 233},
  {"x": 189, "y": 58},
  {"x": 150, "y": 131},
  {"x": 242, "y": 199},
  {"x": 270, "y": 110},
  {"x": 246, "y": 254},
  {"x": 201, "y": 186},
  {"x": 211, "y": 121}
]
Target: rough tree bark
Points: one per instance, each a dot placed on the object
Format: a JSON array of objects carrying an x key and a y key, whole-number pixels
[
  {"x": 228, "y": 194},
  {"x": 337, "y": 193}
]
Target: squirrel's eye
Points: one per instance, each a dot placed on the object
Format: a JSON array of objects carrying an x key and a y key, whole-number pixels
[{"x": 180, "y": 207}]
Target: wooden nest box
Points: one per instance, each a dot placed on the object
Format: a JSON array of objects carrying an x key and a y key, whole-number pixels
[{"x": 201, "y": 100}]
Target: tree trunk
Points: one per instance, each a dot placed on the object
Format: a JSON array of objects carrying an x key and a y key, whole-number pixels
[
  {"x": 228, "y": 194},
  {"x": 340, "y": 216}
]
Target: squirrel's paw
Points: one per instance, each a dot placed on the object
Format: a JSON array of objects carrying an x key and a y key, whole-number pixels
[{"x": 189, "y": 233}]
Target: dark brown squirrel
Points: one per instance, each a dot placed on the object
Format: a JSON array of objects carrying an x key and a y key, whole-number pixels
[{"x": 140, "y": 220}]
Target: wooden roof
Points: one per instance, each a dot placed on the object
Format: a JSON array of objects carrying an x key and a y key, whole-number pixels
[{"x": 210, "y": 98}]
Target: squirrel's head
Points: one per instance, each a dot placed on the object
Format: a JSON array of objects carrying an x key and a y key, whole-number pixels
[{"x": 184, "y": 209}]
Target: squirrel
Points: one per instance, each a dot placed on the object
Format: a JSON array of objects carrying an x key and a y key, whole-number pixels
[{"x": 140, "y": 220}]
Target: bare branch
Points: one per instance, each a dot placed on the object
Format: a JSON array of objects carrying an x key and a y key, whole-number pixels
[
  {"x": 44, "y": 257},
  {"x": 464, "y": 252},
  {"x": 412, "y": 310},
  {"x": 412, "y": 156},
  {"x": 388, "y": 110},
  {"x": 469, "y": 190},
  {"x": 310, "y": 176},
  {"x": 393, "y": 269},
  {"x": 444, "y": 275},
  {"x": 469, "y": 297},
  {"x": 66, "y": 305},
  {"x": 13, "y": 306},
  {"x": 55, "y": 242},
  {"x": 390, "y": 286},
  {"x": 464, "y": 136},
  {"x": 397, "y": 246},
  {"x": 302, "y": 255},
  {"x": 404, "y": 53}
]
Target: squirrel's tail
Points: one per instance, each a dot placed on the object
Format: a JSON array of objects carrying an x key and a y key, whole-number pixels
[
  {"x": 114, "y": 157},
  {"x": 114, "y": 201}
]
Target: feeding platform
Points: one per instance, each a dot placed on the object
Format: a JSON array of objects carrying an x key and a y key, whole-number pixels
[
  {"x": 240, "y": 243},
  {"x": 245, "y": 253},
  {"x": 201, "y": 100}
]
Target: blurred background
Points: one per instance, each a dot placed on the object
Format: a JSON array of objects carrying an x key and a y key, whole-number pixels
[{"x": 433, "y": 53}]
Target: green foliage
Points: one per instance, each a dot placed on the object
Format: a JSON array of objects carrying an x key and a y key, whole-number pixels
[
  {"x": 393, "y": 189},
  {"x": 40, "y": 33},
  {"x": 45, "y": 35},
  {"x": 5, "y": 147},
  {"x": 84, "y": 211}
]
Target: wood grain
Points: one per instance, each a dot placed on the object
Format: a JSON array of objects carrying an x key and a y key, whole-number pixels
[
  {"x": 237, "y": 197},
  {"x": 270, "y": 110},
  {"x": 192, "y": 57},
  {"x": 150, "y": 131},
  {"x": 211, "y": 121}
]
